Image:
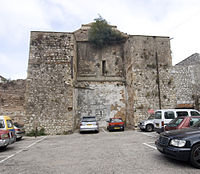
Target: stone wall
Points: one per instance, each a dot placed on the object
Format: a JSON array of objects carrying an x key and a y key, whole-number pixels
[
  {"x": 149, "y": 82},
  {"x": 100, "y": 81},
  {"x": 103, "y": 100},
  {"x": 187, "y": 81},
  {"x": 95, "y": 62},
  {"x": 49, "y": 91},
  {"x": 12, "y": 99},
  {"x": 69, "y": 78}
]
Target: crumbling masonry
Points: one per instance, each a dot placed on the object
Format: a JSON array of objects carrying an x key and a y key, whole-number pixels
[{"x": 69, "y": 78}]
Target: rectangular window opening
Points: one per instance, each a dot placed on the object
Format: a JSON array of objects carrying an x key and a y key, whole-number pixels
[{"x": 103, "y": 67}]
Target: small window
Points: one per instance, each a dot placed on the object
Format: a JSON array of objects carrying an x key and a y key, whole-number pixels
[
  {"x": 194, "y": 113},
  {"x": 181, "y": 113},
  {"x": 9, "y": 123},
  {"x": 2, "y": 124},
  {"x": 103, "y": 67},
  {"x": 169, "y": 115},
  {"x": 158, "y": 115}
]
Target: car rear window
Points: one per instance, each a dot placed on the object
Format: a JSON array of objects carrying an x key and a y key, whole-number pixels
[
  {"x": 181, "y": 113},
  {"x": 169, "y": 115},
  {"x": 88, "y": 119},
  {"x": 2, "y": 124},
  {"x": 158, "y": 115},
  {"x": 175, "y": 122},
  {"x": 116, "y": 120},
  {"x": 194, "y": 113}
]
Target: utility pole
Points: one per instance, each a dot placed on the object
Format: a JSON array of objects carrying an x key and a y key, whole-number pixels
[{"x": 158, "y": 81}]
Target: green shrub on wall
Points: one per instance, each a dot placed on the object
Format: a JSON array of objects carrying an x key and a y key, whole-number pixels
[{"x": 102, "y": 34}]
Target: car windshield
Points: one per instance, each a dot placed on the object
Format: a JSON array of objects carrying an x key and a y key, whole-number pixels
[
  {"x": 151, "y": 117},
  {"x": 9, "y": 123},
  {"x": 158, "y": 115},
  {"x": 2, "y": 124},
  {"x": 116, "y": 120},
  {"x": 197, "y": 124},
  {"x": 175, "y": 122},
  {"x": 88, "y": 119}
]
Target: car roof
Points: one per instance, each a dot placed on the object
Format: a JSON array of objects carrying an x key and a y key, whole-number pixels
[
  {"x": 185, "y": 117},
  {"x": 5, "y": 117},
  {"x": 176, "y": 110}
]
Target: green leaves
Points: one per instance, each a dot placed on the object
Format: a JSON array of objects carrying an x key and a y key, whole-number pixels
[{"x": 102, "y": 34}]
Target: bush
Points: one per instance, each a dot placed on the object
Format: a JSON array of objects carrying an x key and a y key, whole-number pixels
[
  {"x": 35, "y": 132},
  {"x": 102, "y": 34}
]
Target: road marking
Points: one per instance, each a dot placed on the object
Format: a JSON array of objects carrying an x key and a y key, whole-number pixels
[
  {"x": 104, "y": 131},
  {"x": 149, "y": 146},
  {"x": 24, "y": 149},
  {"x": 150, "y": 135}
]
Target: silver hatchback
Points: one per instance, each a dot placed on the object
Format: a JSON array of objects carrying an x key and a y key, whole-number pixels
[{"x": 89, "y": 123}]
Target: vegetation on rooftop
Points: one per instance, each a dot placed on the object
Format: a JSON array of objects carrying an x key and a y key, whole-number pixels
[{"x": 102, "y": 34}]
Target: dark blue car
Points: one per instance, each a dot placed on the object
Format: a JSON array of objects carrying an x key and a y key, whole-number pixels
[{"x": 183, "y": 144}]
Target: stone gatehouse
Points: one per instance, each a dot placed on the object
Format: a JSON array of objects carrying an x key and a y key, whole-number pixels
[{"x": 69, "y": 78}]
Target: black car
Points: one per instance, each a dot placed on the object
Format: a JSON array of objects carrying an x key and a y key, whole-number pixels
[{"x": 182, "y": 144}]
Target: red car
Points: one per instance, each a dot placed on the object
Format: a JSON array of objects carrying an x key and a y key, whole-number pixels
[
  {"x": 115, "y": 124},
  {"x": 182, "y": 122},
  {"x": 4, "y": 138}
]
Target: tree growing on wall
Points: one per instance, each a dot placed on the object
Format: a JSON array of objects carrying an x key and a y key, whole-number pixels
[{"x": 102, "y": 34}]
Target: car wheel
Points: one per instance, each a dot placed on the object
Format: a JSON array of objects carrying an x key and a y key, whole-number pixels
[
  {"x": 149, "y": 128},
  {"x": 18, "y": 139},
  {"x": 195, "y": 156}
]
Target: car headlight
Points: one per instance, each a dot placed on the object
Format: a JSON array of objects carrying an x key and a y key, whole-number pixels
[{"x": 177, "y": 143}]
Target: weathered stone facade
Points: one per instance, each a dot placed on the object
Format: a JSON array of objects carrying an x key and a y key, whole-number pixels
[
  {"x": 187, "y": 81},
  {"x": 12, "y": 99},
  {"x": 49, "y": 90},
  {"x": 69, "y": 78},
  {"x": 148, "y": 76}
]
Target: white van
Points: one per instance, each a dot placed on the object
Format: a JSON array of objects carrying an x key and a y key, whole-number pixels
[{"x": 164, "y": 116}]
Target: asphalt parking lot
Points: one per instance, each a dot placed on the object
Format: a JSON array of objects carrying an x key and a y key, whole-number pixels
[{"x": 89, "y": 153}]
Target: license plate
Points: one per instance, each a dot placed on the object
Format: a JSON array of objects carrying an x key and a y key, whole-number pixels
[
  {"x": 116, "y": 127},
  {"x": 157, "y": 124},
  {"x": 89, "y": 124}
]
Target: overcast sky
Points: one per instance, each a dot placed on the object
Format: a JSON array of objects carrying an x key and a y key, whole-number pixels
[{"x": 178, "y": 19}]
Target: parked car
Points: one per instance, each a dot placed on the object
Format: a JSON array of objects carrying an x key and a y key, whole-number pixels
[
  {"x": 148, "y": 124},
  {"x": 19, "y": 130},
  {"x": 6, "y": 124},
  {"x": 182, "y": 122},
  {"x": 164, "y": 116},
  {"x": 115, "y": 124},
  {"x": 89, "y": 123},
  {"x": 181, "y": 144},
  {"x": 4, "y": 138}
]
